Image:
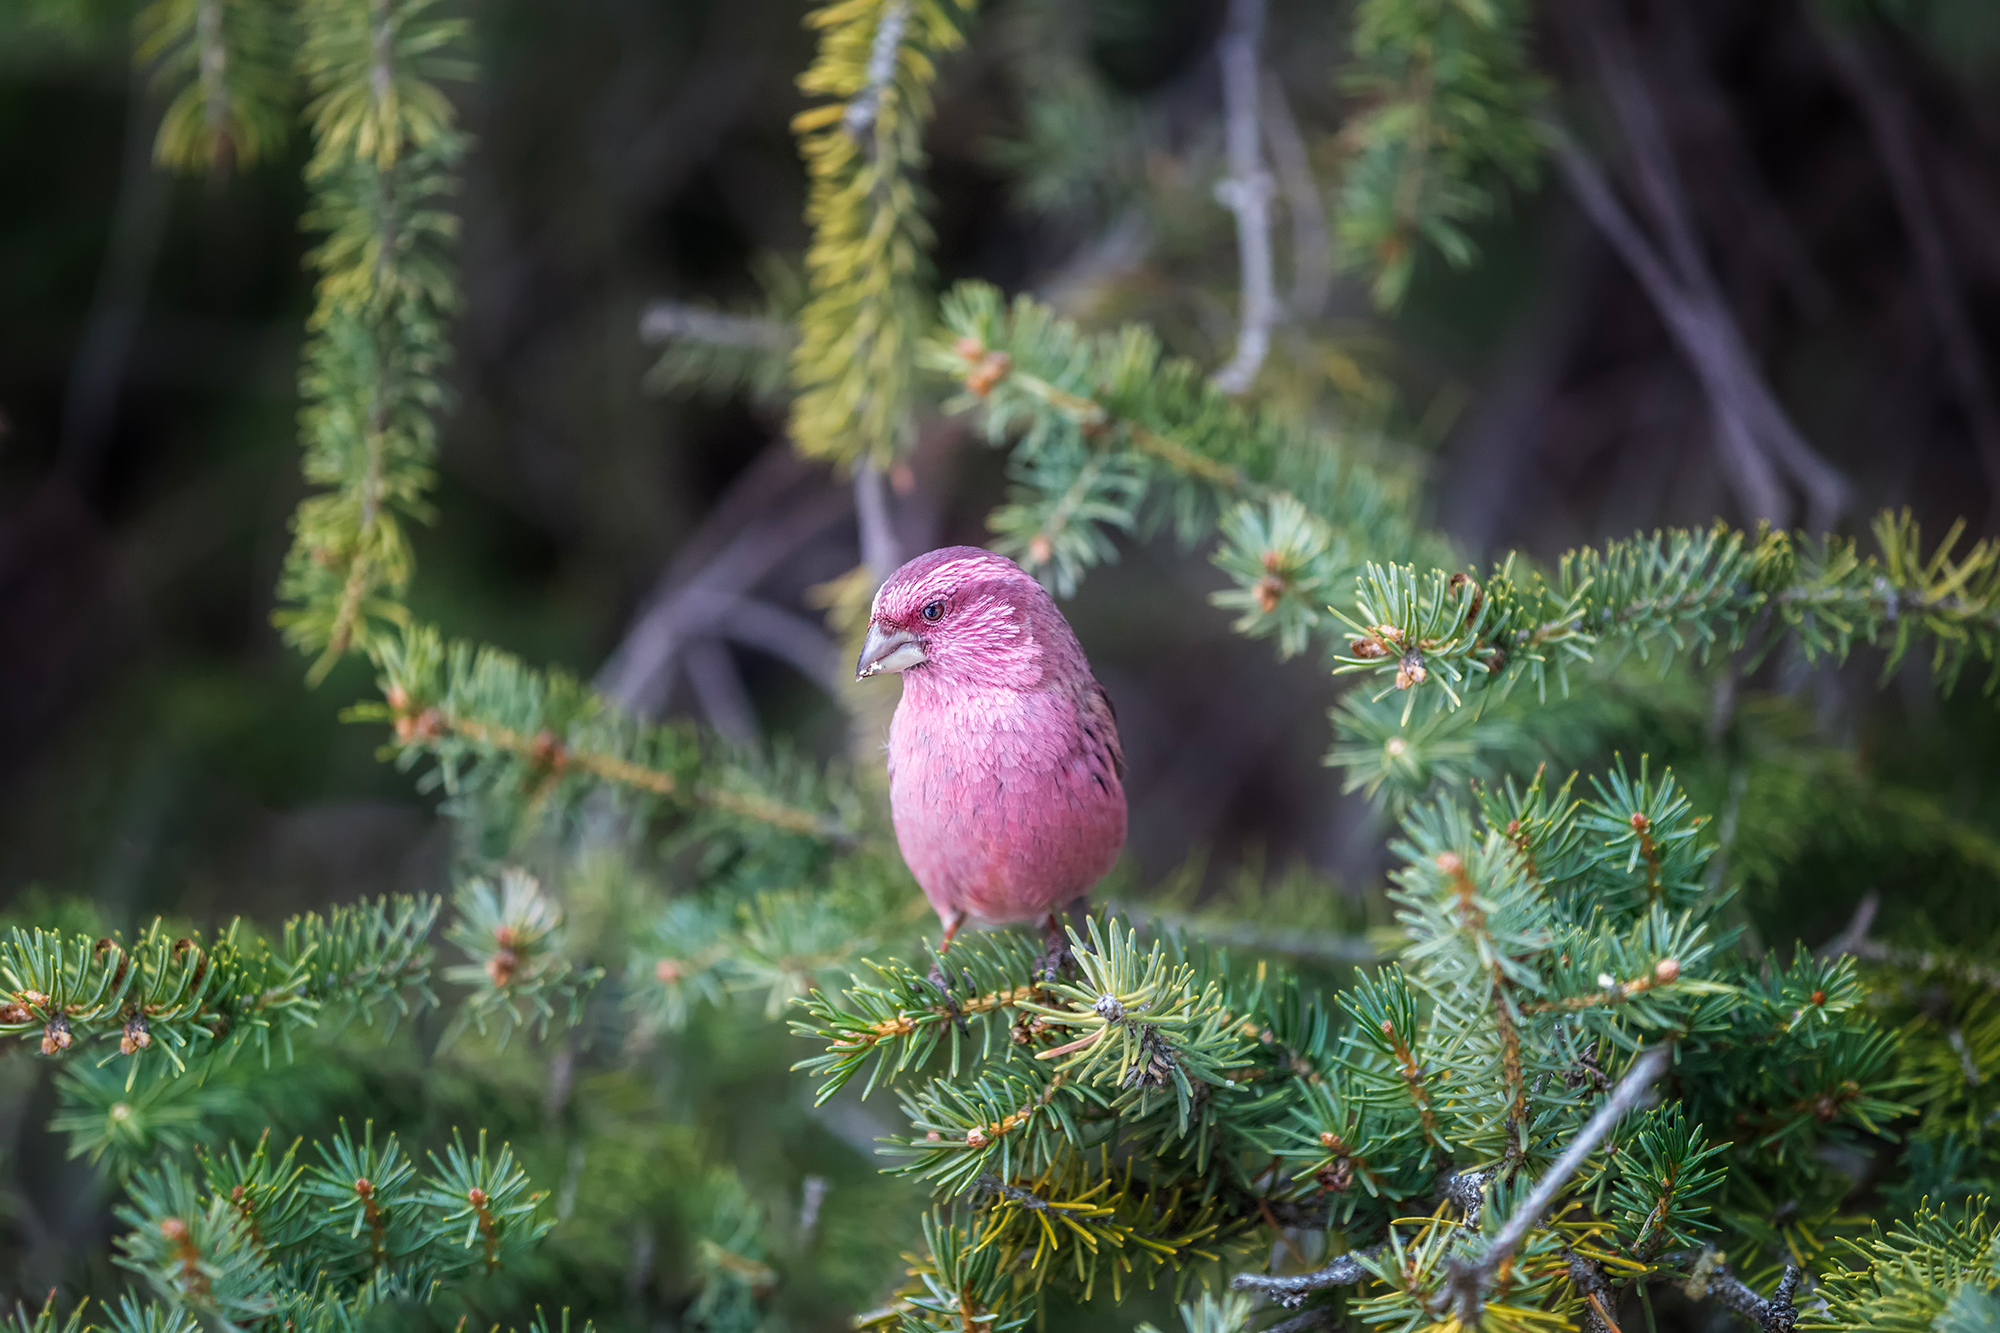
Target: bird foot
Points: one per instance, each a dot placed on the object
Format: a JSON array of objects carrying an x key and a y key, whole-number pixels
[{"x": 1058, "y": 962}]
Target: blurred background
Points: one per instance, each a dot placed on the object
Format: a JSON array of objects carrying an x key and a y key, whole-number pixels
[{"x": 1837, "y": 168}]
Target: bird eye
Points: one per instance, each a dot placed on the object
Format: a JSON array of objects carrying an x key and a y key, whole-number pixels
[{"x": 934, "y": 612}]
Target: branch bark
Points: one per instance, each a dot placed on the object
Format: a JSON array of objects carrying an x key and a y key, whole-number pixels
[
  {"x": 1246, "y": 192},
  {"x": 1470, "y": 1281}
]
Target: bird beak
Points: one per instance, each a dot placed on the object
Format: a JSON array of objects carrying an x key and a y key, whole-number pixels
[{"x": 895, "y": 650}]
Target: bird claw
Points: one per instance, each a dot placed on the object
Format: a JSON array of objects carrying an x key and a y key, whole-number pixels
[
  {"x": 938, "y": 978},
  {"x": 1058, "y": 961}
]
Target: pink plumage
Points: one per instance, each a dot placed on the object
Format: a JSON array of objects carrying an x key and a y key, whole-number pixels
[{"x": 1006, "y": 778}]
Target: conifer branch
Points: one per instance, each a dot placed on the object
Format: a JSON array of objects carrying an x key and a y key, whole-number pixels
[
  {"x": 1446, "y": 92},
  {"x": 189, "y": 996},
  {"x": 1472, "y": 1283},
  {"x": 494, "y": 726},
  {"x": 854, "y": 364},
  {"x": 385, "y": 146},
  {"x": 224, "y": 63},
  {"x": 1111, "y": 431},
  {"x": 1702, "y": 591}
]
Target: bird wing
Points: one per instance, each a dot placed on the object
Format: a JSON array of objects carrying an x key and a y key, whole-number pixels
[{"x": 1099, "y": 722}]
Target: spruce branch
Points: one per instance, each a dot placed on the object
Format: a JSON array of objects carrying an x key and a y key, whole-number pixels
[
  {"x": 1447, "y": 93},
  {"x": 1683, "y": 590},
  {"x": 224, "y": 63},
  {"x": 384, "y": 149},
  {"x": 858, "y": 331},
  {"x": 496, "y": 729},
  {"x": 189, "y": 995},
  {"x": 1470, "y": 1282},
  {"x": 1113, "y": 434}
]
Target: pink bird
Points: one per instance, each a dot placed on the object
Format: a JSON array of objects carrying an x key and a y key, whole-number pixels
[{"x": 1006, "y": 778}]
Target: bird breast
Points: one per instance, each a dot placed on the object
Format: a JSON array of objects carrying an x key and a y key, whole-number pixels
[{"x": 1006, "y": 803}]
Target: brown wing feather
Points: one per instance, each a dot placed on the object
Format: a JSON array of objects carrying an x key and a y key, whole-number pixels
[{"x": 1100, "y": 727}]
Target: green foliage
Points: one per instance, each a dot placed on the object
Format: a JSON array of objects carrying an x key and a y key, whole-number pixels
[
  {"x": 263, "y": 1236},
  {"x": 1111, "y": 433},
  {"x": 384, "y": 149},
  {"x": 1448, "y": 100},
  {"x": 188, "y": 996},
  {"x": 1678, "y": 591},
  {"x": 224, "y": 62},
  {"x": 1550, "y": 939},
  {"x": 1137, "y": 1113},
  {"x": 859, "y": 329}
]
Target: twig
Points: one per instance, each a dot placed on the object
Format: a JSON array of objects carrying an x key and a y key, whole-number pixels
[
  {"x": 1292, "y": 1291},
  {"x": 761, "y": 522},
  {"x": 1591, "y": 1281},
  {"x": 1312, "y": 252},
  {"x": 1469, "y": 1281},
  {"x": 1753, "y": 401},
  {"x": 1888, "y": 120},
  {"x": 1776, "y": 1315},
  {"x": 720, "y": 690},
  {"x": 1854, "y": 937},
  {"x": 859, "y": 118},
  {"x": 1246, "y": 192},
  {"x": 881, "y": 550},
  {"x": 663, "y": 321}
]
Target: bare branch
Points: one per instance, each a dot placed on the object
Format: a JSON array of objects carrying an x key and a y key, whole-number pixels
[
  {"x": 777, "y": 506},
  {"x": 1292, "y": 1291},
  {"x": 1750, "y": 473},
  {"x": 1854, "y": 937},
  {"x": 1469, "y": 1282},
  {"x": 1775, "y": 1315},
  {"x": 662, "y": 321},
  {"x": 720, "y": 691},
  {"x": 1312, "y": 251},
  {"x": 1888, "y": 118},
  {"x": 1246, "y": 192},
  {"x": 881, "y": 549}
]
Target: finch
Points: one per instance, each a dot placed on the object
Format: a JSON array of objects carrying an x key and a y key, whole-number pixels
[{"x": 1006, "y": 777}]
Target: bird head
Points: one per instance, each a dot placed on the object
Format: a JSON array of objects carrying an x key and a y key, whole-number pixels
[{"x": 964, "y": 616}]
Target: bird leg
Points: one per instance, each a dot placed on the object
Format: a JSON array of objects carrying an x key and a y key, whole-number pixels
[
  {"x": 937, "y": 976},
  {"x": 1058, "y": 960}
]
